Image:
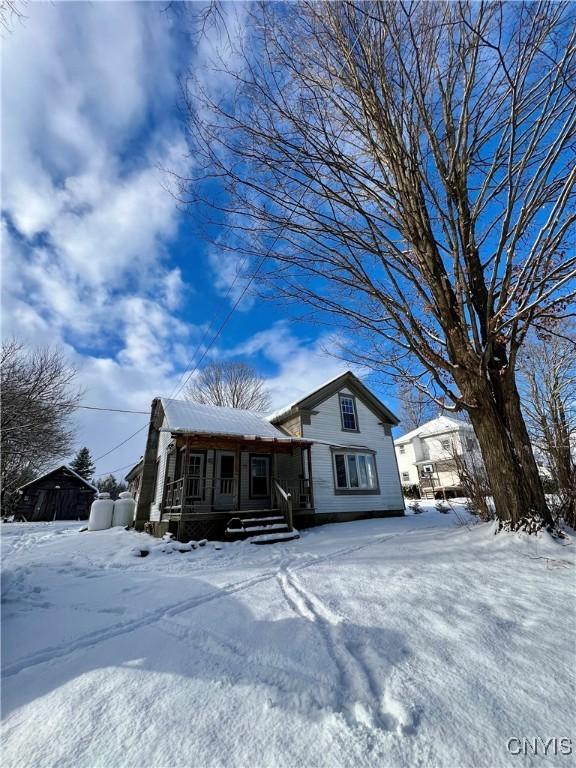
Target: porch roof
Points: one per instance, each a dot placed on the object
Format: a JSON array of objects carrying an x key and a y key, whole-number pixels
[{"x": 185, "y": 417}]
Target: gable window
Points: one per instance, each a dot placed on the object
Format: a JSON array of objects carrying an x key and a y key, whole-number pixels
[
  {"x": 402, "y": 449},
  {"x": 259, "y": 476},
  {"x": 348, "y": 413},
  {"x": 355, "y": 471},
  {"x": 470, "y": 443},
  {"x": 445, "y": 445},
  {"x": 405, "y": 476}
]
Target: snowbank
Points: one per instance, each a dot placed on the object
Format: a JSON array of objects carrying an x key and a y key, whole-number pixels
[{"x": 423, "y": 640}]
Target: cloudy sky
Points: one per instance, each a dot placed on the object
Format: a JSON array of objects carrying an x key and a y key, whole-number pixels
[{"x": 97, "y": 257}]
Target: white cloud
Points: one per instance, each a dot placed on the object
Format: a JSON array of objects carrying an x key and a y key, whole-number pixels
[
  {"x": 88, "y": 119},
  {"x": 302, "y": 364}
]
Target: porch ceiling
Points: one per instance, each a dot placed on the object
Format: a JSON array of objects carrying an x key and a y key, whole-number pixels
[{"x": 241, "y": 442}]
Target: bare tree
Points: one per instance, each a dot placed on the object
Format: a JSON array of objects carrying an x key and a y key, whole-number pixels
[
  {"x": 548, "y": 370},
  {"x": 38, "y": 399},
  {"x": 230, "y": 384},
  {"x": 11, "y": 11},
  {"x": 416, "y": 407},
  {"x": 407, "y": 170}
]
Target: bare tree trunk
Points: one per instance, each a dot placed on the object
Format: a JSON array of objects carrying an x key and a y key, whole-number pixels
[
  {"x": 406, "y": 169},
  {"x": 510, "y": 464}
]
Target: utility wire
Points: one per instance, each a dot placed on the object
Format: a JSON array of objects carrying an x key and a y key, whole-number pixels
[
  {"x": 117, "y": 469},
  {"x": 112, "y": 410},
  {"x": 248, "y": 283},
  {"x": 123, "y": 442},
  {"x": 265, "y": 256}
]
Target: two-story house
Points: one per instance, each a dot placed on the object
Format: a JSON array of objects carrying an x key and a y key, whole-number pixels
[
  {"x": 208, "y": 471},
  {"x": 426, "y": 456}
]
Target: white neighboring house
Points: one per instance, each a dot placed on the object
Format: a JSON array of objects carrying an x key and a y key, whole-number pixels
[
  {"x": 426, "y": 456},
  {"x": 331, "y": 453}
]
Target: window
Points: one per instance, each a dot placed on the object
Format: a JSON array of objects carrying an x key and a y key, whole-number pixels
[
  {"x": 470, "y": 443},
  {"x": 405, "y": 477},
  {"x": 348, "y": 413},
  {"x": 427, "y": 469},
  {"x": 402, "y": 449},
  {"x": 355, "y": 471},
  {"x": 195, "y": 480},
  {"x": 445, "y": 445},
  {"x": 259, "y": 476}
]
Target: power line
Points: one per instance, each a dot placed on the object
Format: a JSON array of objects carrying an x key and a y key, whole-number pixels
[
  {"x": 117, "y": 469},
  {"x": 266, "y": 254},
  {"x": 112, "y": 410},
  {"x": 246, "y": 287},
  {"x": 123, "y": 442}
]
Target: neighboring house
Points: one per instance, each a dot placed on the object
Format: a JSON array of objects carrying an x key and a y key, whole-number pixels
[
  {"x": 60, "y": 494},
  {"x": 134, "y": 479},
  {"x": 426, "y": 456},
  {"x": 325, "y": 458}
]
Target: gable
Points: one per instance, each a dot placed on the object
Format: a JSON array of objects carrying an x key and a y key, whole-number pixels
[
  {"x": 346, "y": 382},
  {"x": 64, "y": 470}
]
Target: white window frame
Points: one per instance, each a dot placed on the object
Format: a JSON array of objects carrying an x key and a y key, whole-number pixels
[
  {"x": 405, "y": 477},
  {"x": 370, "y": 481},
  {"x": 427, "y": 469},
  {"x": 402, "y": 448},
  {"x": 341, "y": 397}
]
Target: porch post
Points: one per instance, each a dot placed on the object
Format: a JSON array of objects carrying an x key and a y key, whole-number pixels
[
  {"x": 238, "y": 473},
  {"x": 309, "y": 457},
  {"x": 274, "y": 473}
]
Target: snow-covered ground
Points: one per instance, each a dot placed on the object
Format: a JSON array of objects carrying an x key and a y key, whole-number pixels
[{"x": 408, "y": 642}]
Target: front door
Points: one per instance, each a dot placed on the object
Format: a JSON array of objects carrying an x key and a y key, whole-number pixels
[{"x": 225, "y": 480}]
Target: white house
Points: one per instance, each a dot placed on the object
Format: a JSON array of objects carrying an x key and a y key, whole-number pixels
[
  {"x": 326, "y": 457},
  {"x": 426, "y": 456}
]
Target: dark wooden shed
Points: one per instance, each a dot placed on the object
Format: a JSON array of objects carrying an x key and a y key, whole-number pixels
[{"x": 60, "y": 494}]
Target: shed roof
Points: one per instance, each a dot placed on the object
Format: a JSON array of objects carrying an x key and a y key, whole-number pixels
[
  {"x": 57, "y": 469},
  {"x": 434, "y": 427},
  {"x": 188, "y": 417}
]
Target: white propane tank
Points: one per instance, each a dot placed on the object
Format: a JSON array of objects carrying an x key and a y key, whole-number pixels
[
  {"x": 123, "y": 510},
  {"x": 101, "y": 513}
]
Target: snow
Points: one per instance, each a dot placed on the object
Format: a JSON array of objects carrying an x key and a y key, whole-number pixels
[
  {"x": 434, "y": 427},
  {"x": 417, "y": 641},
  {"x": 186, "y": 416},
  {"x": 56, "y": 469}
]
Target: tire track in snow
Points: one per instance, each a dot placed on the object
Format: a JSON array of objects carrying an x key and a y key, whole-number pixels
[
  {"x": 358, "y": 693},
  {"x": 98, "y": 636}
]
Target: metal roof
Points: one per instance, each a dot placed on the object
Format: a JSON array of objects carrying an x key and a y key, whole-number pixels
[{"x": 185, "y": 416}]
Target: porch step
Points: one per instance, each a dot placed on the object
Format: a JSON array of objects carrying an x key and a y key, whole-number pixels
[
  {"x": 274, "y": 538},
  {"x": 248, "y": 521}
]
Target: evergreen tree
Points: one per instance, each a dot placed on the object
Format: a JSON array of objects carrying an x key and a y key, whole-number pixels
[
  {"x": 83, "y": 464},
  {"x": 110, "y": 485}
]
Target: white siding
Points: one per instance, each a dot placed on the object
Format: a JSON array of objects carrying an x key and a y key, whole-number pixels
[
  {"x": 326, "y": 425},
  {"x": 162, "y": 454},
  {"x": 406, "y": 464}
]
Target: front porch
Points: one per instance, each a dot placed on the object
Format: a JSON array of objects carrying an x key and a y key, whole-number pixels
[{"x": 214, "y": 480}]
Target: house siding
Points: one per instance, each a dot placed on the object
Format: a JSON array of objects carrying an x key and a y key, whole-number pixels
[
  {"x": 325, "y": 424},
  {"x": 161, "y": 454}
]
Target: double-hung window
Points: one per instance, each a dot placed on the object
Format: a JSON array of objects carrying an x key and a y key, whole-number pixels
[
  {"x": 348, "y": 413},
  {"x": 259, "y": 476},
  {"x": 355, "y": 471}
]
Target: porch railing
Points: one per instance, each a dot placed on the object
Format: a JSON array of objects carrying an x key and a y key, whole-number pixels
[
  {"x": 188, "y": 490},
  {"x": 284, "y": 503}
]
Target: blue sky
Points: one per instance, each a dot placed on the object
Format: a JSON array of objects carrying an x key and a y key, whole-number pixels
[{"x": 98, "y": 258}]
